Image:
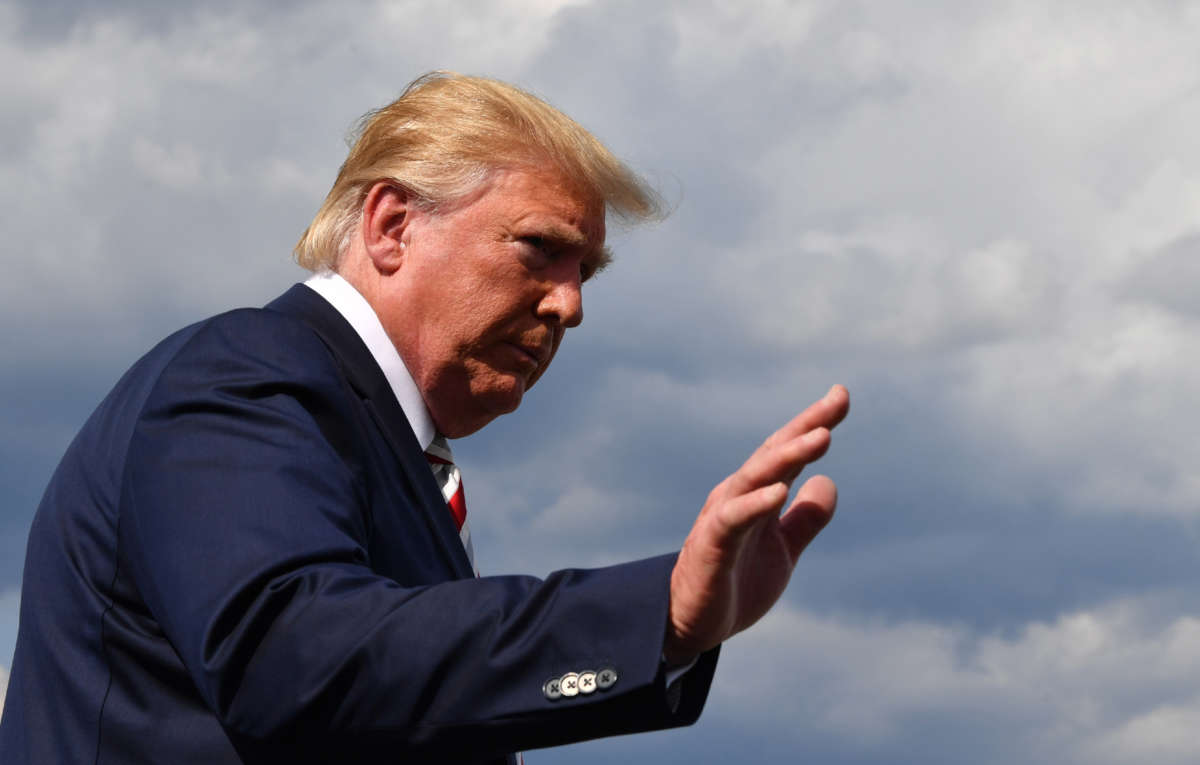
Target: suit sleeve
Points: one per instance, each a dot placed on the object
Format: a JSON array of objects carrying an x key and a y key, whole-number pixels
[{"x": 246, "y": 524}]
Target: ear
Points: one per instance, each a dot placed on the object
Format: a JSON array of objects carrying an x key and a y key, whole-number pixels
[{"x": 386, "y": 213}]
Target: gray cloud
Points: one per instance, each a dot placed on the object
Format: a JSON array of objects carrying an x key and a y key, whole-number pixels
[
  {"x": 10, "y": 602},
  {"x": 981, "y": 218},
  {"x": 1052, "y": 691},
  {"x": 1168, "y": 277}
]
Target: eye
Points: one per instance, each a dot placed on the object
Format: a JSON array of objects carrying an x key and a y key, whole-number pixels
[
  {"x": 540, "y": 252},
  {"x": 538, "y": 249}
]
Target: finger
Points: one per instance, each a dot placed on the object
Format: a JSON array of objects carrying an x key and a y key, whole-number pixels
[
  {"x": 810, "y": 511},
  {"x": 738, "y": 515},
  {"x": 831, "y": 409},
  {"x": 781, "y": 463},
  {"x": 765, "y": 466}
]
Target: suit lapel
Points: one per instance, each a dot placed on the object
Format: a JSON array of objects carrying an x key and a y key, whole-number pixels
[{"x": 368, "y": 380}]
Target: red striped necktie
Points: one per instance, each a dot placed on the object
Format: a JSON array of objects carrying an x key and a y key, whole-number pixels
[{"x": 449, "y": 479}]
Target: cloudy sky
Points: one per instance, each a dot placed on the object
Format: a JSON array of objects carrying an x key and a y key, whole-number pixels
[{"x": 983, "y": 218}]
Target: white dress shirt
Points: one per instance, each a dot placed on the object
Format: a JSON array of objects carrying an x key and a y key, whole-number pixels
[{"x": 355, "y": 309}]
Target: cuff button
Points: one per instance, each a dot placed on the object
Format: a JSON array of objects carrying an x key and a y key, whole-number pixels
[
  {"x": 606, "y": 678},
  {"x": 568, "y": 684},
  {"x": 587, "y": 682}
]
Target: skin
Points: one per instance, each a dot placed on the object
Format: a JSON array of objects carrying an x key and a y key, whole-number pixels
[
  {"x": 476, "y": 297},
  {"x": 739, "y": 556}
]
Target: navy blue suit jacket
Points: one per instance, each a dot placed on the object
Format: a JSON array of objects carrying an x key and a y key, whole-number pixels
[{"x": 243, "y": 558}]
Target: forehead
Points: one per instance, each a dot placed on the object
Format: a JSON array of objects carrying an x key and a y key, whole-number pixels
[{"x": 530, "y": 201}]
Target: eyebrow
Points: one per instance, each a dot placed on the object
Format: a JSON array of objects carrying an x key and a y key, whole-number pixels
[
  {"x": 572, "y": 237},
  {"x": 566, "y": 235},
  {"x": 604, "y": 257}
]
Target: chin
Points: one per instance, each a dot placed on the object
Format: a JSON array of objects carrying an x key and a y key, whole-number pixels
[
  {"x": 507, "y": 403},
  {"x": 484, "y": 407},
  {"x": 502, "y": 396}
]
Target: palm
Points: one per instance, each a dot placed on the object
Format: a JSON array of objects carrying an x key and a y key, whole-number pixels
[
  {"x": 761, "y": 575},
  {"x": 739, "y": 556}
]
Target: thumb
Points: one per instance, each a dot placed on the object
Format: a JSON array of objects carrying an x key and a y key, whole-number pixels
[{"x": 809, "y": 512}]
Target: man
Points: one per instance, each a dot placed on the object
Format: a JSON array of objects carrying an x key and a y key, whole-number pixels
[{"x": 245, "y": 555}]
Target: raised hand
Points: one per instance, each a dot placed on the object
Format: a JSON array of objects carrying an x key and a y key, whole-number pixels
[{"x": 739, "y": 555}]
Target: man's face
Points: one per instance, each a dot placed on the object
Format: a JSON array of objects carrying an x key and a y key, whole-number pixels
[{"x": 486, "y": 289}]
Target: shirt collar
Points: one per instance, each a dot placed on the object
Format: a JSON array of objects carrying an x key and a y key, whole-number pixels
[{"x": 355, "y": 309}]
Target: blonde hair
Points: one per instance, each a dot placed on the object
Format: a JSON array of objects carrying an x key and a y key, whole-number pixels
[{"x": 440, "y": 139}]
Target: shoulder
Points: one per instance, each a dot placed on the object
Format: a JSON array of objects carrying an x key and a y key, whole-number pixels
[
  {"x": 269, "y": 336},
  {"x": 246, "y": 344},
  {"x": 250, "y": 367},
  {"x": 246, "y": 381}
]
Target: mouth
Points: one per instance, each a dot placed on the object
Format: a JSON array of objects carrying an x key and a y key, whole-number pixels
[{"x": 531, "y": 356}]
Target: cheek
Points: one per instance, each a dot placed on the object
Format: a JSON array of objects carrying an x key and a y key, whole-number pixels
[
  {"x": 465, "y": 324},
  {"x": 553, "y": 352},
  {"x": 487, "y": 304},
  {"x": 496, "y": 390}
]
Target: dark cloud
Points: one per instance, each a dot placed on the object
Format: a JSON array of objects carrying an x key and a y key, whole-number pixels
[
  {"x": 54, "y": 21},
  {"x": 1168, "y": 277},
  {"x": 981, "y": 219}
]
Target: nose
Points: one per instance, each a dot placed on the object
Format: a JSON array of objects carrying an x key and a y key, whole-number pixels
[{"x": 563, "y": 301}]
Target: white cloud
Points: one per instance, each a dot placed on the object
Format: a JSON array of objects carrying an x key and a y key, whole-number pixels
[
  {"x": 980, "y": 219},
  {"x": 10, "y": 603},
  {"x": 718, "y": 35},
  {"x": 179, "y": 167},
  {"x": 989, "y": 207},
  {"x": 1105, "y": 399},
  {"x": 1166, "y": 735},
  {"x": 1112, "y": 684},
  {"x": 10, "y": 608},
  {"x": 166, "y": 154}
]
